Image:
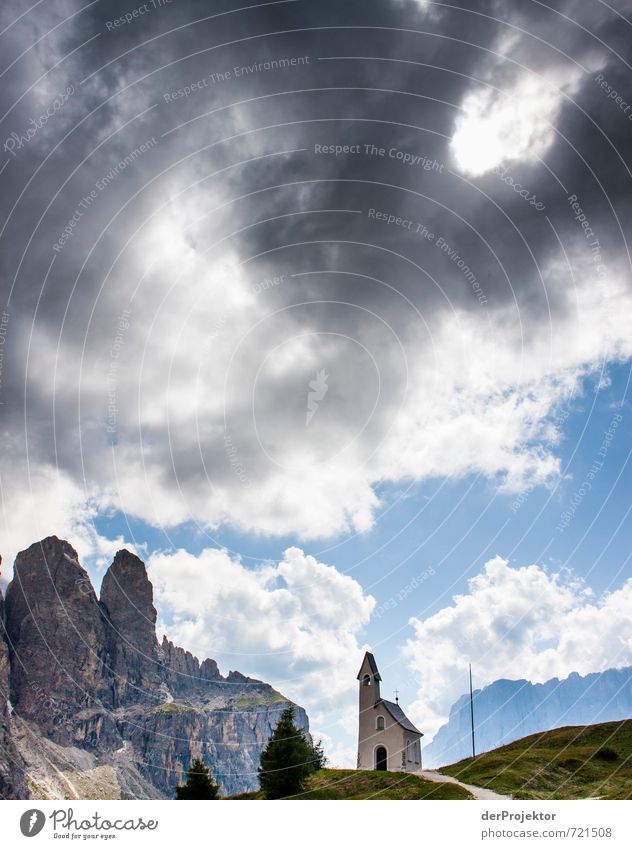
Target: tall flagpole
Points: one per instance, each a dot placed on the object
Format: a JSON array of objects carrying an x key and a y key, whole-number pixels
[{"x": 472, "y": 713}]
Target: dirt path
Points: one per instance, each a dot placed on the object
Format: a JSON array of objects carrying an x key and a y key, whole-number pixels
[{"x": 477, "y": 792}]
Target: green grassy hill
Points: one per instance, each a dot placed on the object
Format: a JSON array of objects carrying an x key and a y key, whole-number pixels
[
  {"x": 365, "y": 784},
  {"x": 592, "y": 761}
]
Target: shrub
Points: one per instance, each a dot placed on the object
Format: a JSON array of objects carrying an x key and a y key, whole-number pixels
[{"x": 606, "y": 754}]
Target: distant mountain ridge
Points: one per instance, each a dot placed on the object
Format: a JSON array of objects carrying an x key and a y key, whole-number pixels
[
  {"x": 92, "y": 705},
  {"x": 507, "y": 710}
]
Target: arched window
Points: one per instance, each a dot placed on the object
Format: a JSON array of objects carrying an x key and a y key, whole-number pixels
[
  {"x": 379, "y": 723},
  {"x": 366, "y": 680}
]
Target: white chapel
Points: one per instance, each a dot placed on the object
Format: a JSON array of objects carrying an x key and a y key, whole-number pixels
[{"x": 387, "y": 739}]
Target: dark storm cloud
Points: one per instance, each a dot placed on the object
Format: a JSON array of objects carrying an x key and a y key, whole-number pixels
[{"x": 156, "y": 122}]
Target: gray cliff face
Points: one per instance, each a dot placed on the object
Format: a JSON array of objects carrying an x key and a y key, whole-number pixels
[
  {"x": 57, "y": 638},
  {"x": 97, "y": 697},
  {"x": 230, "y": 740},
  {"x": 12, "y": 767},
  {"x": 127, "y": 602},
  {"x": 508, "y": 710}
]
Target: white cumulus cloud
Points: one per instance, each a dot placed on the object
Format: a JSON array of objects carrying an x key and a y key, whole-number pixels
[
  {"x": 294, "y": 623},
  {"x": 516, "y": 622},
  {"x": 42, "y": 501}
]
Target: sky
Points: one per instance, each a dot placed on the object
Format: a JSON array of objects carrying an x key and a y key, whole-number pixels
[{"x": 324, "y": 309}]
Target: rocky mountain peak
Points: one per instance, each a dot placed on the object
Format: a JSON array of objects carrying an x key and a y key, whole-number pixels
[
  {"x": 183, "y": 672},
  {"x": 127, "y": 593},
  {"x": 127, "y": 602},
  {"x": 91, "y": 687},
  {"x": 52, "y": 564},
  {"x": 56, "y": 636}
]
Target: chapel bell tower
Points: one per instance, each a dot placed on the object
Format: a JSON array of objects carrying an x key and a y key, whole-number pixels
[{"x": 369, "y": 678}]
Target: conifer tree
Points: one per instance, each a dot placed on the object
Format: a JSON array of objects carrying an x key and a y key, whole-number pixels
[
  {"x": 288, "y": 759},
  {"x": 319, "y": 761},
  {"x": 200, "y": 783}
]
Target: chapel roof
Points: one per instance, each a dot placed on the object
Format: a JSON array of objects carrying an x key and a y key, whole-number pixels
[{"x": 399, "y": 716}]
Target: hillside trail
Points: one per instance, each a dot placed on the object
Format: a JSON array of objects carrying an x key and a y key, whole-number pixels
[{"x": 477, "y": 792}]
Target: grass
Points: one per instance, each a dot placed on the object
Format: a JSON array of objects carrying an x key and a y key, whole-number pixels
[
  {"x": 174, "y": 707},
  {"x": 256, "y": 700},
  {"x": 366, "y": 784},
  {"x": 578, "y": 762},
  {"x": 276, "y": 696},
  {"x": 36, "y": 791}
]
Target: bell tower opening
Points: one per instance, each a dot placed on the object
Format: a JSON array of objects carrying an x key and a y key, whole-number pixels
[{"x": 369, "y": 678}]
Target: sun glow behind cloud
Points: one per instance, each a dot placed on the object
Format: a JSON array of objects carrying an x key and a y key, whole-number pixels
[{"x": 516, "y": 124}]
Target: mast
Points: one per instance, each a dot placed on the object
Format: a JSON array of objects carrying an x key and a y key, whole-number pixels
[{"x": 472, "y": 713}]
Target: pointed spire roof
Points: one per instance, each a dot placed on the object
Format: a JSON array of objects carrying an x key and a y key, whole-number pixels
[{"x": 368, "y": 658}]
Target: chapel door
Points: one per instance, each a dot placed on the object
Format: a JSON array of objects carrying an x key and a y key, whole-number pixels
[{"x": 380, "y": 757}]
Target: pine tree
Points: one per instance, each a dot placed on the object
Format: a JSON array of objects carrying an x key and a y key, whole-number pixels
[
  {"x": 288, "y": 759},
  {"x": 319, "y": 761},
  {"x": 200, "y": 783}
]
